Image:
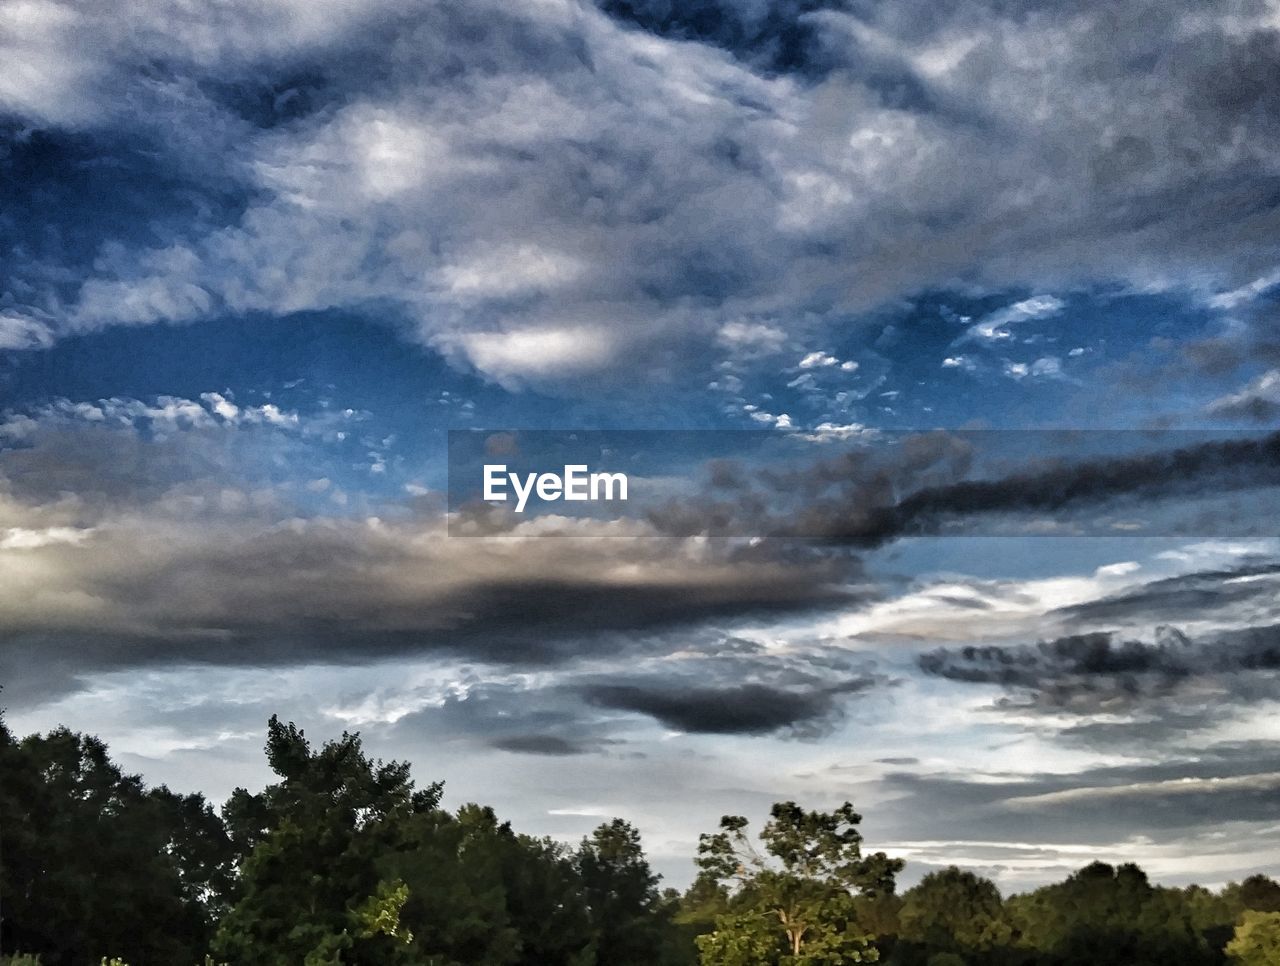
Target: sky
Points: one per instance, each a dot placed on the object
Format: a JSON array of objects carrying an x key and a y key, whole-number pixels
[{"x": 996, "y": 283}]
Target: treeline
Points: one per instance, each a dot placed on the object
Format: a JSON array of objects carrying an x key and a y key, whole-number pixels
[{"x": 344, "y": 860}]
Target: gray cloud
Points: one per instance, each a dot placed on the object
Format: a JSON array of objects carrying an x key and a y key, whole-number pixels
[
  {"x": 516, "y": 717},
  {"x": 539, "y": 745},
  {"x": 917, "y": 486},
  {"x": 1185, "y": 471},
  {"x": 1259, "y": 401},
  {"x": 1100, "y": 672},
  {"x": 1173, "y": 804},
  {"x": 341, "y": 591},
  {"x": 1247, "y": 591},
  {"x": 750, "y": 709},
  {"x": 547, "y": 191},
  {"x": 119, "y": 550}
]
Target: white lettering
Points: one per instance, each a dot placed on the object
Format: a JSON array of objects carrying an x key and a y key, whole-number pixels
[
  {"x": 608, "y": 479},
  {"x": 522, "y": 493},
  {"x": 495, "y": 475},
  {"x": 576, "y": 484},
  {"x": 549, "y": 486}
]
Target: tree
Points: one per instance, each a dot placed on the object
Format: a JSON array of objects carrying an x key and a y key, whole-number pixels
[
  {"x": 1258, "y": 893},
  {"x": 310, "y": 889},
  {"x": 1257, "y": 940},
  {"x": 1110, "y": 916},
  {"x": 628, "y": 918},
  {"x": 950, "y": 912},
  {"x": 481, "y": 894},
  {"x": 454, "y": 871},
  {"x": 95, "y": 862},
  {"x": 793, "y": 903}
]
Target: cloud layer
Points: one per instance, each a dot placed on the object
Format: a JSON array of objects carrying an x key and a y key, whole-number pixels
[{"x": 557, "y": 189}]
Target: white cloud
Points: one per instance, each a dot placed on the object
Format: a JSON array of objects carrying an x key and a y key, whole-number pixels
[
  {"x": 221, "y": 405},
  {"x": 751, "y": 338},
  {"x": 20, "y": 538},
  {"x": 836, "y": 432},
  {"x": 1120, "y": 569},
  {"x": 511, "y": 270},
  {"x": 995, "y": 327},
  {"x": 514, "y": 356},
  {"x": 1046, "y": 367},
  {"x": 584, "y": 176},
  {"x": 818, "y": 360},
  {"x": 164, "y": 414},
  {"x": 1260, "y": 399},
  {"x": 17, "y": 332},
  {"x": 1246, "y": 293}
]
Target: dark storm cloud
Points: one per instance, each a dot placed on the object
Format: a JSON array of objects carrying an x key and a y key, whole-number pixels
[
  {"x": 330, "y": 592},
  {"x": 1185, "y": 471},
  {"x": 749, "y": 709},
  {"x": 1091, "y": 673},
  {"x": 144, "y": 535},
  {"x": 736, "y": 687},
  {"x": 916, "y": 487}
]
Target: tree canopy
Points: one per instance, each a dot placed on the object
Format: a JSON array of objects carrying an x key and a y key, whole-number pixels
[
  {"x": 345, "y": 859},
  {"x": 793, "y": 901}
]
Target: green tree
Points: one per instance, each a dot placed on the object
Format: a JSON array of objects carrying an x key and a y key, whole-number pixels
[
  {"x": 794, "y": 902},
  {"x": 1258, "y": 893},
  {"x": 454, "y": 869},
  {"x": 95, "y": 861},
  {"x": 1110, "y": 916},
  {"x": 481, "y": 894},
  {"x": 951, "y": 912},
  {"x": 1257, "y": 940},
  {"x": 628, "y": 918},
  {"x": 310, "y": 889}
]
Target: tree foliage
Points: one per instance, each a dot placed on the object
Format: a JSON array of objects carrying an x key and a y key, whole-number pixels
[
  {"x": 951, "y": 913},
  {"x": 793, "y": 902},
  {"x": 1110, "y": 915},
  {"x": 310, "y": 883},
  {"x": 89, "y": 853},
  {"x": 344, "y": 860},
  {"x": 1257, "y": 940}
]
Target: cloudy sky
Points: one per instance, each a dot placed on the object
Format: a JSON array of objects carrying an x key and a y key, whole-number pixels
[{"x": 260, "y": 257}]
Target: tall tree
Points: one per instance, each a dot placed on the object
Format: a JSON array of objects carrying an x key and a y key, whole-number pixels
[
  {"x": 793, "y": 902},
  {"x": 630, "y": 921},
  {"x": 310, "y": 889},
  {"x": 481, "y": 895},
  {"x": 94, "y": 862}
]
